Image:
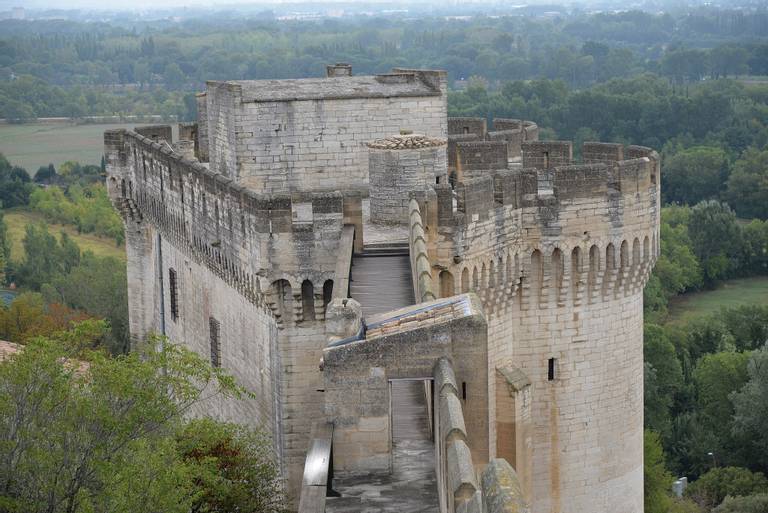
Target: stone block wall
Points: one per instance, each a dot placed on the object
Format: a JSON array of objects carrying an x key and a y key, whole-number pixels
[
  {"x": 184, "y": 291},
  {"x": 262, "y": 266},
  {"x": 559, "y": 265},
  {"x": 512, "y": 132},
  {"x": 156, "y": 133},
  {"x": 395, "y": 173},
  {"x": 202, "y": 126},
  {"x": 317, "y": 143},
  {"x": 547, "y": 154},
  {"x": 423, "y": 285},
  {"x": 465, "y": 126},
  {"x": 480, "y": 155},
  {"x": 189, "y": 132},
  {"x": 223, "y": 104},
  {"x": 513, "y": 138},
  {"x": 457, "y": 485},
  {"x": 453, "y": 141},
  {"x": 247, "y": 336},
  {"x": 594, "y": 152},
  {"x": 404, "y": 346}
]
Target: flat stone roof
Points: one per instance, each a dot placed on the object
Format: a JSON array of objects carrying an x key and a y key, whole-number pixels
[
  {"x": 420, "y": 315},
  {"x": 331, "y": 88}
]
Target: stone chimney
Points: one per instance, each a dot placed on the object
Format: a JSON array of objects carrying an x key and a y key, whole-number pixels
[{"x": 339, "y": 70}]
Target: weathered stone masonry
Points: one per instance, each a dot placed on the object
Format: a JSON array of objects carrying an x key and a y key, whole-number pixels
[
  {"x": 529, "y": 268},
  {"x": 559, "y": 264}
]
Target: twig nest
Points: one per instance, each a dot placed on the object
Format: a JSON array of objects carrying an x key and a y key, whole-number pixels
[{"x": 406, "y": 142}]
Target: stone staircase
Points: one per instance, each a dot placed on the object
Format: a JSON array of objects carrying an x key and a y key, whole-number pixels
[{"x": 381, "y": 277}]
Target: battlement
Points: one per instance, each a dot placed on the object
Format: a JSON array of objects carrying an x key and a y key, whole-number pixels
[
  {"x": 220, "y": 223},
  {"x": 504, "y": 233},
  {"x": 549, "y": 177},
  {"x": 472, "y": 146},
  {"x": 465, "y": 126}
]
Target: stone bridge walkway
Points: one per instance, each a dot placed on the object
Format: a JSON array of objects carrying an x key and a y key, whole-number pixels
[
  {"x": 412, "y": 485},
  {"x": 381, "y": 282}
]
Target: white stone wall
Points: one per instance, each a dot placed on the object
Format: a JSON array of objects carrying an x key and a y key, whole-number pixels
[
  {"x": 394, "y": 174},
  {"x": 588, "y": 421},
  {"x": 248, "y": 337},
  {"x": 319, "y": 144},
  {"x": 301, "y": 349},
  {"x": 544, "y": 300}
]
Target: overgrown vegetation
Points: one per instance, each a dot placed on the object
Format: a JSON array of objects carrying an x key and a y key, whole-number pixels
[{"x": 82, "y": 432}]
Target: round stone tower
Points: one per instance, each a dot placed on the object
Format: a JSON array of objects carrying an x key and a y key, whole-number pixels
[
  {"x": 399, "y": 165},
  {"x": 558, "y": 253}
]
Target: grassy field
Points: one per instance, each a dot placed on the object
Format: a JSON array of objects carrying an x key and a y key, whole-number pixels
[
  {"x": 38, "y": 144},
  {"x": 17, "y": 220},
  {"x": 731, "y": 293}
]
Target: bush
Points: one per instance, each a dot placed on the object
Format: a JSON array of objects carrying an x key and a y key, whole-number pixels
[
  {"x": 750, "y": 504},
  {"x": 717, "y": 484}
]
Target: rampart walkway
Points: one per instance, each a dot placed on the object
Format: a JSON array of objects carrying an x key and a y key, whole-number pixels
[
  {"x": 381, "y": 282},
  {"x": 412, "y": 485}
]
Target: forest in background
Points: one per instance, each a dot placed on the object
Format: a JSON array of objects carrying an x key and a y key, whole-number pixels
[
  {"x": 690, "y": 84},
  {"x": 73, "y": 69}
]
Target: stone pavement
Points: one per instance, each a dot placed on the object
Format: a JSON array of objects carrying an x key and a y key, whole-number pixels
[{"x": 412, "y": 485}]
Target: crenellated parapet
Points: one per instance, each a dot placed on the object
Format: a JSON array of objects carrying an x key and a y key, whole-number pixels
[
  {"x": 548, "y": 235},
  {"x": 232, "y": 230},
  {"x": 472, "y": 146}
]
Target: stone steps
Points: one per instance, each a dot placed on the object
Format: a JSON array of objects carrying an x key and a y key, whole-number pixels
[{"x": 381, "y": 280}]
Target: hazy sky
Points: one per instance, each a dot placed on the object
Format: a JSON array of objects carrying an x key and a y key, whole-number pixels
[{"x": 123, "y": 4}]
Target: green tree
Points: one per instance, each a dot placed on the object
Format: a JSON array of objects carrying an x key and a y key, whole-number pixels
[
  {"x": 718, "y": 483},
  {"x": 757, "y": 503},
  {"x": 748, "y": 324},
  {"x": 45, "y": 174},
  {"x": 659, "y": 354},
  {"x": 728, "y": 60},
  {"x": 43, "y": 257},
  {"x": 748, "y": 184},
  {"x": 174, "y": 77},
  {"x": 657, "y": 480},
  {"x": 5, "y": 247},
  {"x": 751, "y": 408},
  {"x": 98, "y": 437},
  {"x": 716, "y": 376},
  {"x": 14, "y": 184},
  {"x": 754, "y": 259},
  {"x": 99, "y": 286},
  {"x": 694, "y": 174},
  {"x": 716, "y": 239},
  {"x": 233, "y": 467}
]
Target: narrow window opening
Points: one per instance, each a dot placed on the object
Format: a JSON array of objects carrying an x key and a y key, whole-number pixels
[
  {"x": 546, "y": 160},
  {"x": 327, "y": 293},
  {"x": 466, "y": 129},
  {"x": 464, "y": 390},
  {"x": 214, "y": 327},
  {"x": 173, "y": 286},
  {"x": 551, "y": 375},
  {"x": 308, "y": 300},
  {"x": 437, "y": 180}
]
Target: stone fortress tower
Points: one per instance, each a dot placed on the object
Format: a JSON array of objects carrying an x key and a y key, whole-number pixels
[{"x": 511, "y": 279}]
